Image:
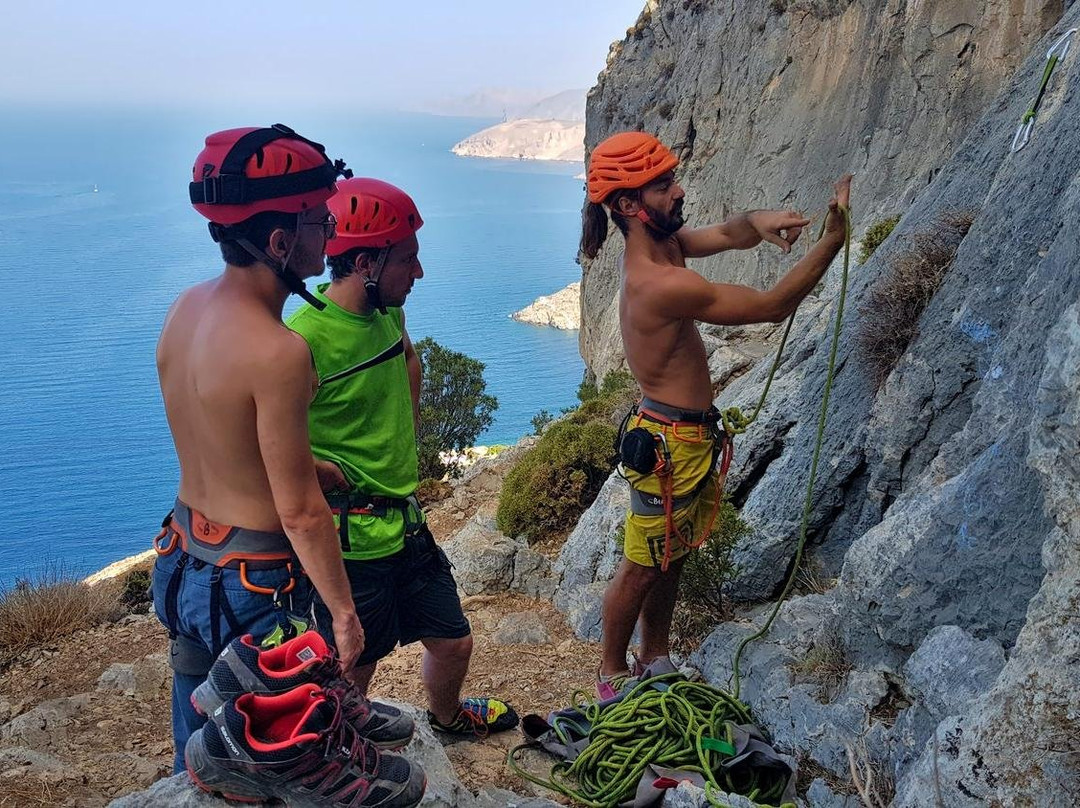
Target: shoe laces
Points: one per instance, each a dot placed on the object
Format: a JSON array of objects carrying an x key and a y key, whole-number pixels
[
  {"x": 341, "y": 748},
  {"x": 472, "y": 712},
  {"x": 330, "y": 676}
]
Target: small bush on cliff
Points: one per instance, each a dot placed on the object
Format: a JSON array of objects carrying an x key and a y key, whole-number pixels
[
  {"x": 135, "y": 590},
  {"x": 889, "y": 319},
  {"x": 875, "y": 235},
  {"x": 541, "y": 420},
  {"x": 556, "y": 480},
  {"x": 825, "y": 664},
  {"x": 703, "y": 600},
  {"x": 454, "y": 406},
  {"x": 40, "y": 611}
]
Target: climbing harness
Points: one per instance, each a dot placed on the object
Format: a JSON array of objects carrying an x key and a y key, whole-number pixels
[
  {"x": 647, "y": 453},
  {"x": 628, "y": 749},
  {"x": 203, "y": 542},
  {"x": 1057, "y": 53},
  {"x": 357, "y": 503}
]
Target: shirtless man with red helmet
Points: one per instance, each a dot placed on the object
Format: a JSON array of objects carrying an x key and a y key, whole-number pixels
[
  {"x": 236, "y": 385},
  {"x": 631, "y": 176}
]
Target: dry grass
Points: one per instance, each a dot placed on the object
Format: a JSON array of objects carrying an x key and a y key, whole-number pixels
[
  {"x": 825, "y": 664},
  {"x": 810, "y": 770},
  {"x": 812, "y": 580},
  {"x": 890, "y": 316},
  {"x": 873, "y": 782},
  {"x": 41, "y": 611}
]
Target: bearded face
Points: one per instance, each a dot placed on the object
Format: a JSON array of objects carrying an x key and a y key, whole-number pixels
[{"x": 666, "y": 223}]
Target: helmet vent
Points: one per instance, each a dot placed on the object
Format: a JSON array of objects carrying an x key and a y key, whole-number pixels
[
  {"x": 375, "y": 212},
  {"x": 260, "y": 156},
  {"x": 288, "y": 163},
  {"x": 353, "y": 202}
]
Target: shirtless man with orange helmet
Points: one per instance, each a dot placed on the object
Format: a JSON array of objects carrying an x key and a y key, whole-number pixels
[{"x": 631, "y": 177}]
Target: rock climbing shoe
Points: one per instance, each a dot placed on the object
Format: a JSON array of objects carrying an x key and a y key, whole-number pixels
[{"x": 478, "y": 717}]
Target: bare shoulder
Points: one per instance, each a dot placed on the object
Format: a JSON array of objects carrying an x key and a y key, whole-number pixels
[{"x": 279, "y": 355}]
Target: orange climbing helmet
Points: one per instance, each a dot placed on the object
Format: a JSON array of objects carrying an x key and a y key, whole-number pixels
[
  {"x": 242, "y": 172},
  {"x": 371, "y": 213},
  {"x": 626, "y": 160}
]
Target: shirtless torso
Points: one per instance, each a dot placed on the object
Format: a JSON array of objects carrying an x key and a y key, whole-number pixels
[
  {"x": 213, "y": 348},
  {"x": 665, "y": 353}
]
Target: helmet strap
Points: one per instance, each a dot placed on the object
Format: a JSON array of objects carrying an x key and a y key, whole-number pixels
[
  {"x": 371, "y": 282},
  {"x": 280, "y": 268}
]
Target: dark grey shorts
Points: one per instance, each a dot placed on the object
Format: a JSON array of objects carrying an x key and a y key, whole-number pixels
[{"x": 402, "y": 598}]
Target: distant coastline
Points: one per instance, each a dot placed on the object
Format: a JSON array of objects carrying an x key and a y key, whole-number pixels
[
  {"x": 527, "y": 139},
  {"x": 559, "y": 310}
]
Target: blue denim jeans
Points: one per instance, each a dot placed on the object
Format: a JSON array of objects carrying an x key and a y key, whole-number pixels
[{"x": 193, "y": 652}]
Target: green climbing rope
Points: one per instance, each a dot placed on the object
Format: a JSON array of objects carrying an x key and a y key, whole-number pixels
[
  {"x": 685, "y": 726},
  {"x": 818, "y": 441}
]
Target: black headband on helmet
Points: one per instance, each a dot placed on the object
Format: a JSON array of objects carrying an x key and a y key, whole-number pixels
[{"x": 233, "y": 187}]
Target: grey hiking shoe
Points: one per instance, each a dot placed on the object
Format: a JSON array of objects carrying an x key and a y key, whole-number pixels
[
  {"x": 243, "y": 667},
  {"x": 297, "y": 747}
]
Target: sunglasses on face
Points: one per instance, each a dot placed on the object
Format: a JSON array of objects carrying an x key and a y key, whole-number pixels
[{"x": 329, "y": 225}]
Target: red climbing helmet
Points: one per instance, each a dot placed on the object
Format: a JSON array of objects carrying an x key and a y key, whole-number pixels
[
  {"x": 371, "y": 213},
  {"x": 242, "y": 172},
  {"x": 626, "y": 160}
]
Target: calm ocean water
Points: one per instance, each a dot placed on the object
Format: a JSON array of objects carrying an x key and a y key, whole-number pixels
[{"x": 87, "y": 467}]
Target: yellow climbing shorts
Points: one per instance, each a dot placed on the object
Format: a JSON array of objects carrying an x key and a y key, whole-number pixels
[{"x": 691, "y": 447}]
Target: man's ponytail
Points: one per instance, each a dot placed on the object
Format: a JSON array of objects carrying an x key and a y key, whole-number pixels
[{"x": 594, "y": 229}]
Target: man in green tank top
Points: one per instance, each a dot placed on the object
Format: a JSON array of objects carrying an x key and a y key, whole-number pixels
[{"x": 362, "y": 424}]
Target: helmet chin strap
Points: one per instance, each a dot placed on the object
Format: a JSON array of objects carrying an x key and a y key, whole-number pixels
[
  {"x": 647, "y": 220},
  {"x": 285, "y": 275},
  {"x": 371, "y": 283}
]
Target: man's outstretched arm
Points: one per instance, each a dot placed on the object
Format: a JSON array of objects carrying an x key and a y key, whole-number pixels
[
  {"x": 685, "y": 294},
  {"x": 743, "y": 232}
]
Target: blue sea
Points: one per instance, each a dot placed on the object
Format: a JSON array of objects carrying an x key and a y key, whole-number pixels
[{"x": 87, "y": 468}]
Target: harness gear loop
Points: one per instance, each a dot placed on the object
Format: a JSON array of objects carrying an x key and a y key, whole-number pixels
[
  {"x": 174, "y": 538},
  {"x": 266, "y": 590}
]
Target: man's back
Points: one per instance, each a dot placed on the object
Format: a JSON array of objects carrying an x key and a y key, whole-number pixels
[{"x": 205, "y": 358}]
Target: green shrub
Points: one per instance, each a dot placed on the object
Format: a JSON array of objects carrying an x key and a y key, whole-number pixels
[
  {"x": 135, "y": 590},
  {"x": 875, "y": 235},
  {"x": 454, "y": 406},
  {"x": 703, "y": 600},
  {"x": 556, "y": 480},
  {"x": 541, "y": 420}
]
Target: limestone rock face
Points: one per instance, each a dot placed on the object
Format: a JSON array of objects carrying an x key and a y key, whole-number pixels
[
  {"x": 527, "y": 139},
  {"x": 767, "y": 103},
  {"x": 945, "y": 514}
]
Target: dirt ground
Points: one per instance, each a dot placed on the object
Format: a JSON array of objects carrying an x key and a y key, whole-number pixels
[
  {"x": 531, "y": 678},
  {"x": 111, "y": 744}
]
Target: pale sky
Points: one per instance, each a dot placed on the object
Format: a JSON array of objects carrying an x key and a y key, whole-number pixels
[{"x": 392, "y": 53}]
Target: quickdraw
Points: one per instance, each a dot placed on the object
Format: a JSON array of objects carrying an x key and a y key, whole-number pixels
[{"x": 1057, "y": 53}]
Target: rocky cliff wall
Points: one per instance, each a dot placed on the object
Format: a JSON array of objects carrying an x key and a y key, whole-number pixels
[
  {"x": 944, "y": 525},
  {"x": 768, "y": 101}
]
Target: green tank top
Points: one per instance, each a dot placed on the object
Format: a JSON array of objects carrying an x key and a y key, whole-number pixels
[{"x": 362, "y": 416}]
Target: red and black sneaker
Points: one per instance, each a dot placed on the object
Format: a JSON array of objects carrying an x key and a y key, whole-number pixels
[
  {"x": 244, "y": 667},
  {"x": 298, "y": 748}
]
